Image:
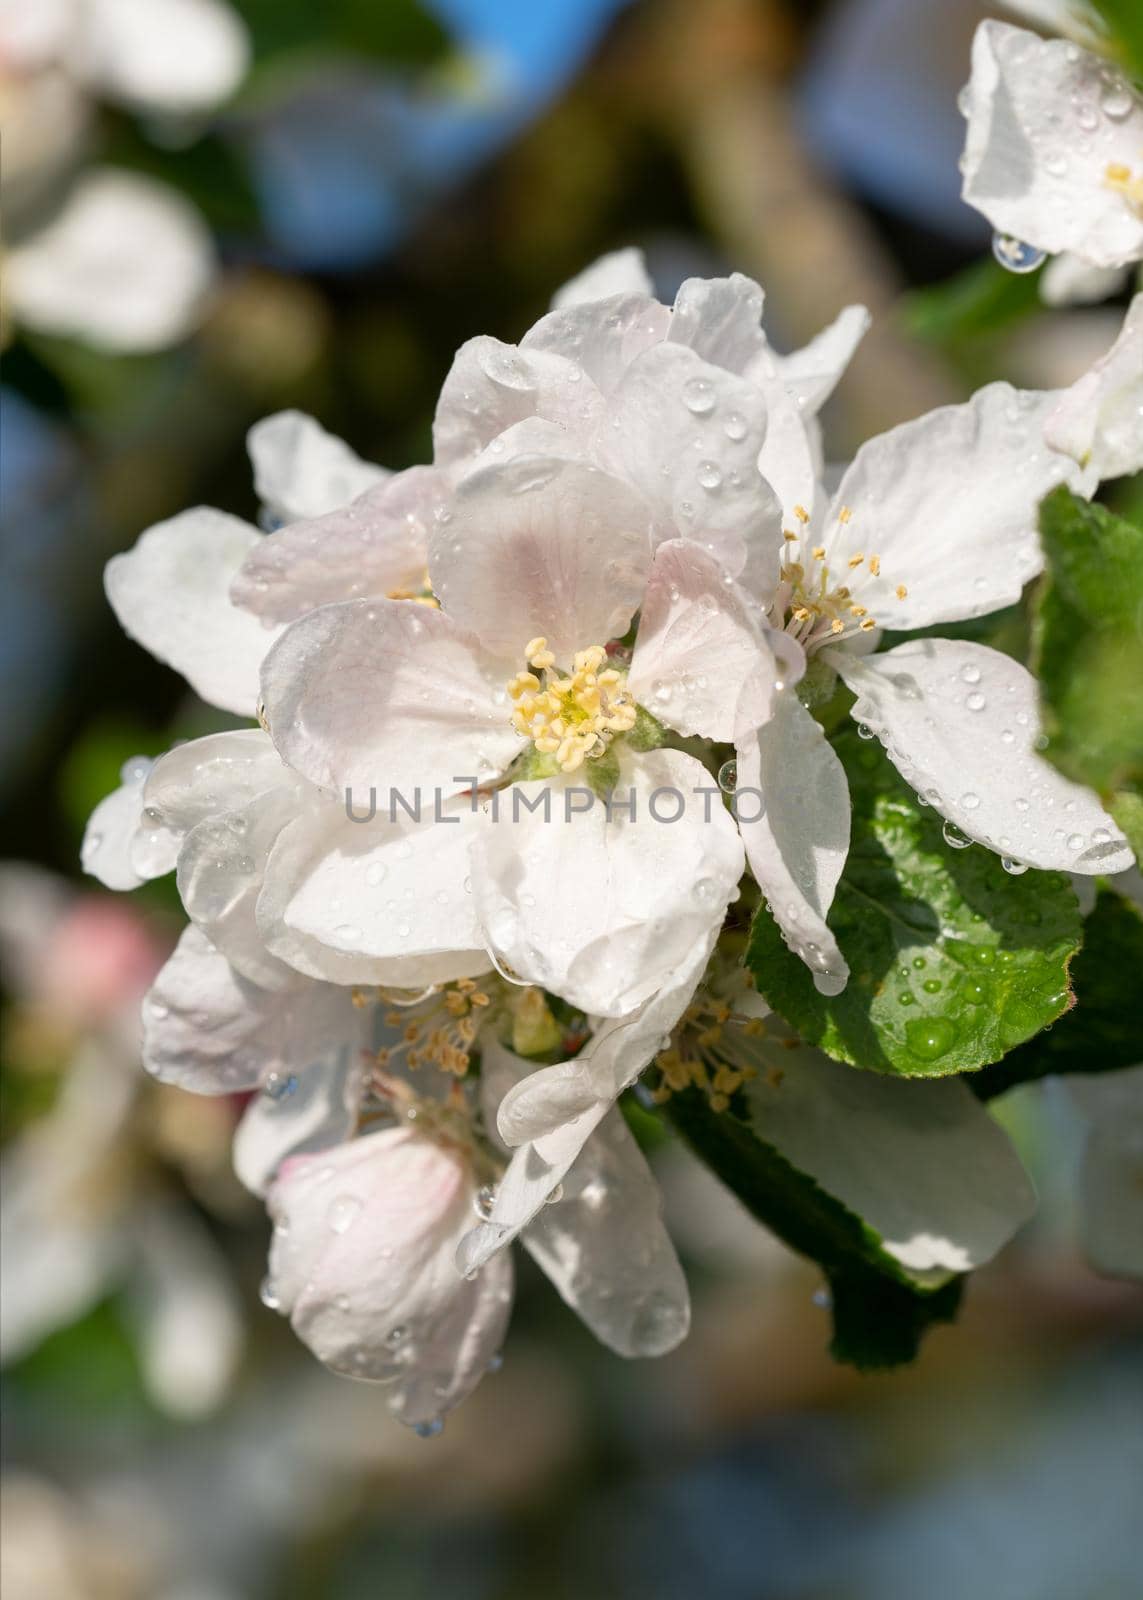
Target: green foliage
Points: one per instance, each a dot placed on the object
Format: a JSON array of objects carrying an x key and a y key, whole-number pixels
[
  {"x": 952, "y": 961},
  {"x": 1104, "y": 1029},
  {"x": 1124, "y": 20},
  {"x": 395, "y": 32},
  {"x": 1089, "y": 650},
  {"x": 982, "y": 299},
  {"x": 879, "y": 1314}
]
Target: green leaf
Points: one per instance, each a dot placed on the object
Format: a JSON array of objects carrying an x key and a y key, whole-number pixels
[
  {"x": 952, "y": 961},
  {"x": 865, "y": 1174},
  {"x": 982, "y": 299},
  {"x": 1124, "y": 20},
  {"x": 1126, "y": 807},
  {"x": 395, "y": 32},
  {"x": 1089, "y": 643},
  {"x": 1104, "y": 1030}
]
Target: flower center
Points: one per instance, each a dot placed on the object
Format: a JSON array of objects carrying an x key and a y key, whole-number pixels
[
  {"x": 438, "y": 1030},
  {"x": 707, "y": 1052},
  {"x": 810, "y": 605},
  {"x": 573, "y": 717},
  {"x": 1127, "y": 183}
]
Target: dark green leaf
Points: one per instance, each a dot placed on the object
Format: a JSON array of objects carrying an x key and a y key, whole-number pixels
[
  {"x": 952, "y": 961},
  {"x": 1104, "y": 1029},
  {"x": 1089, "y": 643},
  {"x": 396, "y": 32},
  {"x": 1124, "y": 19}
]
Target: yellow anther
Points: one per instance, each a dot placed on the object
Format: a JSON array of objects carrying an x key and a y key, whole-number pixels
[
  {"x": 819, "y": 552},
  {"x": 870, "y": 622},
  {"x": 855, "y": 560},
  {"x": 1115, "y": 172},
  {"x": 901, "y": 592},
  {"x": 573, "y": 717},
  {"x": 802, "y": 514},
  {"x": 875, "y": 566},
  {"x": 790, "y": 536},
  {"x": 844, "y": 514},
  {"x": 857, "y": 611},
  {"x": 837, "y": 626}
]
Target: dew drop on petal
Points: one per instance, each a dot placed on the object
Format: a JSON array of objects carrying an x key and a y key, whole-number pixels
[
  {"x": 1015, "y": 868},
  {"x": 343, "y": 1213},
  {"x": 954, "y": 838},
  {"x": 268, "y": 1294},
  {"x": 698, "y": 396},
  {"x": 1014, "y": 255},
  {"x": 728, "y": 777}
]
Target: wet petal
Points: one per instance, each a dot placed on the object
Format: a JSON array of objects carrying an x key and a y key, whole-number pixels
[
  {"x": 300, "y": 470},
  {"x": 619, "y": 272},
  {"x": 1099, "y": 420}
]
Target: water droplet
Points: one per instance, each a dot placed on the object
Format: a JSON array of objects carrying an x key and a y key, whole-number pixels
[
  {"x": 1116, "y": 101},
  {"x": 375, "y": 873},
  {"x": 735, "y": 426},
  {"x": 970, "y": 801},
  {"x": 954, "y": 838},
  {"x": 728, "y": 777},
  {"x": 932, "y": 986},
  {"x": 428, "y": 1430},
  {"x": 709, "y": 475},
  {"x": 343, "y": 1213},
  {"x": 347, "y": 933},
  {"x": 704, "y": 889},
  {"x": 929, "y": 1039},
  {"x": 1013, "y": 867},
  {"x": 496, "y": 1363},
  {"x": 698, "y": 396},
  {"x": 661, "y": 691},
  {"x": 396, "y": 1336},
  {"x": 970, "y": 674},
  {"x": 1088, "y": 118},
  {"x": 483, "y": 1201},
  {"x": 822, "y": 1299},
  {"x": 1075, "y": 841},
  {"x": 277, "y": 1085},
  {"x": 975, "y": 702},
  {"x": 865, "y": 733},
  {"x": 1014, "y": 255}
]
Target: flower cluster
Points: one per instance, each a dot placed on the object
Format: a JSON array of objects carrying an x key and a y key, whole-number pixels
[{"x": 621, "y": 585}]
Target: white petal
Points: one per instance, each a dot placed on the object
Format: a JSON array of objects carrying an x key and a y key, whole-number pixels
[
  {"x": 949, "y": 502},
  {"x": 383, "y": 695},
  {"x": 313, "y": 1104},
  {"x": 618, "y": 1050},
  {"x": 602, "y": 337},
  {"x": 812, "y": 373},
  {"x": 960, "y": 722},
  {"x": 492, "y": 386},
  {"x": 375, "y": 902},
  {"x": 193, "y": 781},
  {"x": 1069, "y": 280},
  {"x": 171, "y": 593},
  {"x": 377, "y": 546},
  {"x": 703, "y": 663},
  {"x": 300, "y": 470},
  {"x": 176, "y": 56},
  {"x": 794, "y": 813},
  {"x": 620, "y": 272},
  {"x": 209, "y": 1030},
  {"x": 688, "y": 435},
  {"x": 603, "y": 1243},
  {"x": 788, "y": 460},
  {"x": 542, "y": 545},
  {"x": 720, "y": 319},
  {"x": 601, "y": 910},
  {"x": 1045, "y": 122},
  {"x": 1099, "y": 420},
  {"x": 220, "y": 873},
  {"x": 107, "y": 851},
  {"x": 921, "y": 1163},
  {"x": 362, "y": 1263},
  {"x": 125, "y": 265}
]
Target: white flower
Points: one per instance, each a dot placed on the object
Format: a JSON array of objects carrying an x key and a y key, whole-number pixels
[
  {"x": 172, "y": 591},
  {"x": 172, "y": 56},
  {"x": 1099, "y": 420},
  {"x": 1054, "y": 153},
  {"x": 125, "y": 264},
  {"x": 363, "y": 1257}
]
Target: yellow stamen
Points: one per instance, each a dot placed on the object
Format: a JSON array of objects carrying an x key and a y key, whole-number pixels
[{"x": 572, "y": 718}]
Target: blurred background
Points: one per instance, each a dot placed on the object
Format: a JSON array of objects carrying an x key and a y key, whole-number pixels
[{"x": 216, "y": 209}]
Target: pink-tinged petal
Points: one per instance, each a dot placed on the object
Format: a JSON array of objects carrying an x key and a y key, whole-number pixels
[
  {"x": 720, "y": 319},
  {"x": 960, "y": 723},
  {"x": 1046, "y": 122},
  {"x": 794, "y": 814},
  {"x": 704, "y": 662},
  {"x": 542, "y": 545},
  {"x": 381, "y": 694},
  {"x": 376, "y": 902},
  {"x": 618, "y": 272},
  {"x": 171, "y": 594},
  {"x": 1099, "y": 420},
  {"x": 949, "y": 503},
  {"x": 602, "y": 337},
  {"x": 301, "y": 471},
  {"x": 492, "y": 386},
  {"x": 220, "y": 872},
  {"x": 601, "y": 909},
  {"x": 376, "y": 547},
  {"x": 363, "y": 1265},
  {"x": 688, "y": 434},
  {"x": 603, "y": 1243}
]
